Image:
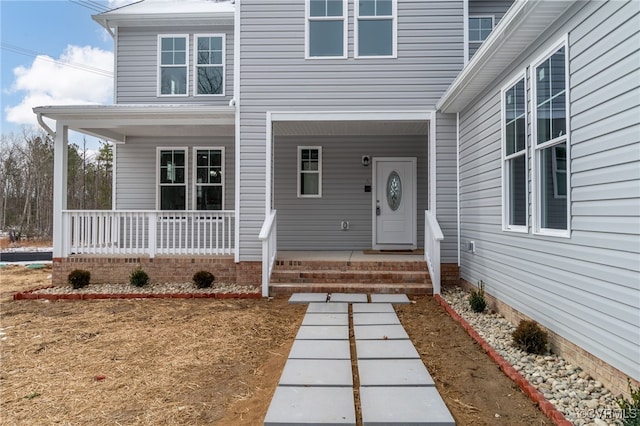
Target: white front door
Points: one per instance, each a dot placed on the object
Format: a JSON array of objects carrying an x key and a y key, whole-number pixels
[{"x": 394, "y": 203}]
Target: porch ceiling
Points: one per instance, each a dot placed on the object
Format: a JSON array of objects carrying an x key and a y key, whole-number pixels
[
  {"x": 351, "y": 128},
  {"x": 119, "y": 122}
]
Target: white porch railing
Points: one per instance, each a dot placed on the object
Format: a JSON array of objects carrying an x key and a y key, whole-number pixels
[
  {"x": 269, "y": 237},
  {"x": 432, "y": 237},
  {"x": 141, "y": 232}
]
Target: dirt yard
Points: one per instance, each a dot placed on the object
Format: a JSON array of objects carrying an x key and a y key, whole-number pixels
[{"x": 200, "y": 361}]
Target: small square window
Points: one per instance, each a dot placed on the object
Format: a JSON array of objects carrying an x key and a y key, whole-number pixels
[{"x": 479, "y": 28}]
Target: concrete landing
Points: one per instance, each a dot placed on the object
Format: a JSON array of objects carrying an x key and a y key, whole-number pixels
[{"x": 348, "y": 297}]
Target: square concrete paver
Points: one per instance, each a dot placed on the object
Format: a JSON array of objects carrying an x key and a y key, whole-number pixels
[
  {"x": 348, "y": 297},
  {"x": 385, "y": 349},
  {"x": 381, "y": 308},
  {"x": 380, "y": 332},
  {"x": 308, "y": 297},
  {"x": 403, "y": 405},
  {"x": 326, "y": 319},
  {"x": 375, "y": 319},
  {"x": 311, "y": 405},
  {"x": 328, "y": 308},
  {"x": 317, "y": 372},
  {"x": 393, "y": 372},
  {"x": 323, "y": 332},
  {"x": 400, "y": 299},
  {"x": 320, "y": 349}
]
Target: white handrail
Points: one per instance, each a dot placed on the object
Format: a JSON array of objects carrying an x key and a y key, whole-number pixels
[
  {"x": 432, "y": 237},
  {"x": 148, "y": 232},
  {"x": 269, "y": 237}
]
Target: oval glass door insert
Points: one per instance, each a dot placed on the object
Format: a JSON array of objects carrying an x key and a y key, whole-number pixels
[{"x": 394, "y": 190}]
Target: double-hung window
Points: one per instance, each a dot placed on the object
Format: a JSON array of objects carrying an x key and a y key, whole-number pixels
[
  {"x": 309, "y": 171},
  {"x": 376, "y": 28},
  {"x": 209, "y": 53},
  {"x": 326, "y": 28},
  {"x": 172, "y": 65},
  {"x": 209, "y": 178},
  {"x": 479, "y": 28},
  {"x": 172, "y": 178},
  {"x": 514, "y": 149},
  {"x": 551, "y": 143}
]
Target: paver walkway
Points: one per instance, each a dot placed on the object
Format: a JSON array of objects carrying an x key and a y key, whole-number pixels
[{"x": 316, "y": 386}]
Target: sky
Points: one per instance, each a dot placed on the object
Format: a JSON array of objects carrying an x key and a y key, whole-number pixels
[{"x": 53, "y": 53}]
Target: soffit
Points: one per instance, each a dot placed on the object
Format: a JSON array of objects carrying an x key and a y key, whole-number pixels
[{"x": 351, "y": 128}]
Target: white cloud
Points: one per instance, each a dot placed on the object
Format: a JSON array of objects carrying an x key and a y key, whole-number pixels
[
  {"x": 119, "y": 3},
  {"x": 71, "y": 79}
]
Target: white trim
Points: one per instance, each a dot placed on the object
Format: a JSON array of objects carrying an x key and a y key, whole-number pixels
[
  {"x": 520, "y": 76},
  {"x": 115, "y": 64},
  {"x": 394, "y": 31},
  {"x": 60, "y": 162},
  {"x": 538, "y": 148},
  {"x": 196, "y": 66},
  {"x": 299, "y": 171},
  {"x": 186, "y": 173},
  {"x": 433, "y": 176},
  {"x": 268, "y": 190},
  {"x": 194, "y": 174},
  {"x": 459, "y": 238},
  {"x": 345, "y": 29},
  {"x": 465, "y": 29},
  {"x": 114, "y": 156},
  {"x": 374, "y": 194},
  {"x": 351, "y": 115},
  {"x": 159, "y": 65},
  {"x": 236, "y": 97},
  {"x": 493, "y": 25}
]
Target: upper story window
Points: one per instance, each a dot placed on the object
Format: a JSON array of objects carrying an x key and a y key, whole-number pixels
[
  {"x": 514, "y": 134},
  {"x": 310, "y": 171},
  {"x": 172, "y": 179},
  {"x": 551, "y": 143},
  {"x": 376, "y": 28},
  {"x": 479, "y": 28},
  {"x": 326, "y": 29},
  {"x": 209, "y": 64},
  {"x": 172, "y": 63}
]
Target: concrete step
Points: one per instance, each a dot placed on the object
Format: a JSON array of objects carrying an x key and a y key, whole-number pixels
[
  {"x": 350, "y": 276},
  {"x": 277, "y": 289}
]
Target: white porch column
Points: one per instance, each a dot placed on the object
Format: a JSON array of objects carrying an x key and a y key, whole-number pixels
[{"x": 60, "y": 189}]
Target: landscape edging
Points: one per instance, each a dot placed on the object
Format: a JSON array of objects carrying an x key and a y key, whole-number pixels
[
  {"x": 31, "y": 295},
  {"x": 536, "y": 396}
]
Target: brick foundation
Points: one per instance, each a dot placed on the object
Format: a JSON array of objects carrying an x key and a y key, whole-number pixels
[
  {"x": 614, "y": 379},
  {"x": 161, "y": 269},
  {"x": 449, "y": 274}
]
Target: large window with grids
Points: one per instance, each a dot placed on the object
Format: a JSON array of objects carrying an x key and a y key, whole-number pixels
[
  {"x": 209, "y": 178},
  {"x": 376, "y": 28},
  {"x": 172, "y": 65},
  {"x": 551, "y": 142},
  {"x": 514, "y": 149},
  {"x": 326, "y": 28},
  {"x": 209, "y": 53},
  {"x": 172, "y": 178}
]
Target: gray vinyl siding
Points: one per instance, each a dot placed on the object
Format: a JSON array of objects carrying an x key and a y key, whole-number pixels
[
  {"x": 314, "y": 223},
  {"x": 587, "y": 287},
  {"x": 276, "y": 77},
  {"x": 137, "y": 66},
  {"x": 446, "y": 190},
  {"x": 136, "y": 176},
  {"x": 495, "y": 8}
]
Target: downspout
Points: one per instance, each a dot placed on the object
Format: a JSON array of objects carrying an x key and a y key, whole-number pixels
[
  {"x": 45, "y": 126},
  {"x": 458, "y": 181},
  {"x": 236, "y": 104}
]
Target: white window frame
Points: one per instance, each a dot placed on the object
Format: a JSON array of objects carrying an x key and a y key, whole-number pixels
[
  {"x": 159, "y": 65},
  {"x": 394, "y": 41},
  {"x": 196, "y": 66},
  {"x": 538, "y": 148},
  {"x": 345, "y": 30},
  {"x": 186, "y": 174},
  {"x": 505, "y": 158},
  {"x": 194, "y": 200},
  {"x": 318, "y": 172},
  {"x": 493, "y": 25}
]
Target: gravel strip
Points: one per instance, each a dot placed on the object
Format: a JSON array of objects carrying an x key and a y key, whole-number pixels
[
  {"x": 166, "y": 288},
  {"x": 582, "y": 400}
]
